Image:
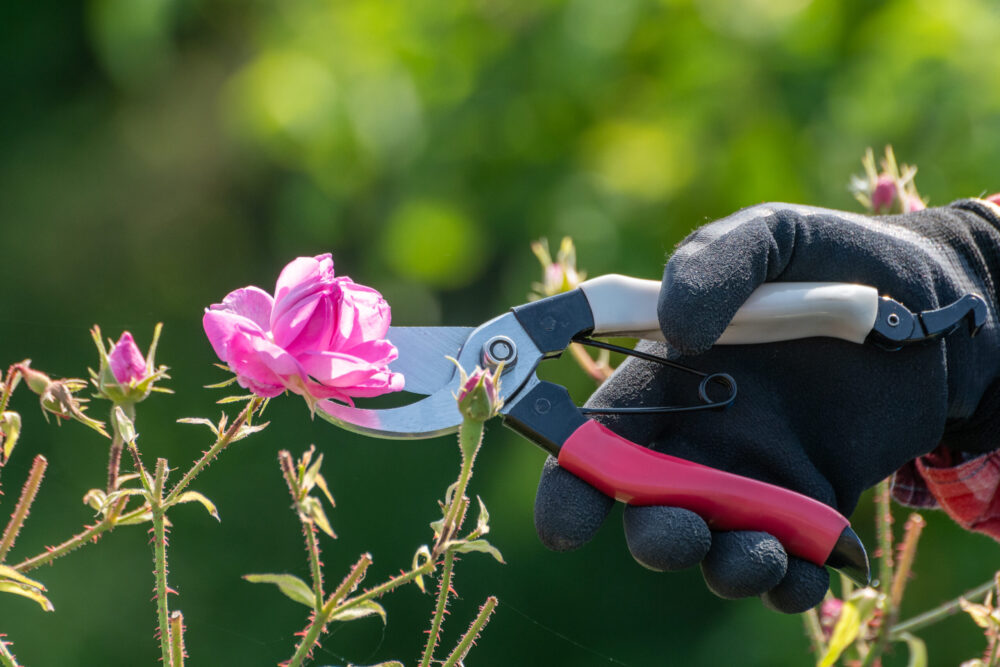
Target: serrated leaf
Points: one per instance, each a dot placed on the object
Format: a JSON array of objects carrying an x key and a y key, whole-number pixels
[
  {"x": 360, "y": 610},
  {"x": 289, "y": 584},
  {"x": 200, "y": 420},
  {"x": 224, "y": 383},
  {"x": 315, "y": 512},
  {"x": 856, "y": 611},
  {"x": 235, "y": 399},
  {"x": 248, "y": 429},
  {"x": 194, "y": 496},
  {"x": 124, "y": 425},
  {"x": 917, "y": 648},
  {"x": 466, "y": 546}
]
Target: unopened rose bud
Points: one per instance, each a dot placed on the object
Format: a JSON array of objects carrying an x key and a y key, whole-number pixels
[
  {"x": 125, "y": 376},
  {"x": 37, "y": 381},
  {"x": 560, "y": 275},
  {"x": 126, "y": 361},
  {"x": 884, "y": 193},
  {"x": 478, "y": 398}
]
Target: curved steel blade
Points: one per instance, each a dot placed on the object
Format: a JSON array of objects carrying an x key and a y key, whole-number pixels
[
  {"x": 438, "y": 414},
  {"x": 422, "y": 352}
]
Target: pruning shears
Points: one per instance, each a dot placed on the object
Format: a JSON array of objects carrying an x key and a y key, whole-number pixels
[{"x": 615, "y": 305}]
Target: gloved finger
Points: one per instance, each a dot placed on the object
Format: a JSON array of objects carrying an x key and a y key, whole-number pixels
[
  {"x": 568, "y": 511},
  {"x": 743, "y": 563},
  {"x": 717, "y": 267},
  {"x": 666, "y": 539},
  {"x": 802, "y": 588}
]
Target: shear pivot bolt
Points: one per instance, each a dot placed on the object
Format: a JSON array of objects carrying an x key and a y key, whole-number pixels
[
  {"x": 499, "y": 349},
  {"x": 892, "y": 320}
]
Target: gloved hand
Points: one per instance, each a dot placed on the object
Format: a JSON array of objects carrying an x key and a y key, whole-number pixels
[{"x": 823, "y": 417}]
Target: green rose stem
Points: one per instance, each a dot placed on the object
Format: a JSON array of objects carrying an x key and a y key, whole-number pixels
[
  {"x": 941, "y": 612},
  {"x": 88, "y": 536},
  {"x": 883, "y": 528},
  {"x": 470, "y": 636},
  {"x": 470, "y": 437},
  {"x": 221, "y": 443},
  {"x": 160, "y": 558},
  {"x": 117, "y": 443},
  {"x": 288, "y": 471},
  {"x": 7, "y": 658},
  {"x": 331, "y": 608},
  {"x": 177, "y": 638},
  {"x": 28, "y": 493}
]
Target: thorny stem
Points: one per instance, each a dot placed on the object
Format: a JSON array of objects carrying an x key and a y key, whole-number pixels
[
  {"x": 7, "y": 658},
  {"x": 312, "y": 546},
  {"x": 28, "y": 492},
  {"x": 941, "y": 612},
  {"x": 91, "y": 534},
  {"x": 220, "y": 444},
  {"x": 470, "y": 636},
  {"x": 907, "y": 553},
  {"x": 160, "y": 558},
  {"x": 444, "y": 589},
  {"x": 13, "y": 374},
  {"x": 331, "y": 609},
  {"x": 814, "y": 631},
  {"x": 883, "y": 528},
  {"x": 177, "y": 638},
  {"x": 470, "y": 437}
]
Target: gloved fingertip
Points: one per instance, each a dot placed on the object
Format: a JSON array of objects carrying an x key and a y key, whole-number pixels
[
  {"x": 743, "y": 563},
  {"x": 666, "y": 539},
  {"x": 802, "y": 588},
  {"x": 568, "y": 511}
]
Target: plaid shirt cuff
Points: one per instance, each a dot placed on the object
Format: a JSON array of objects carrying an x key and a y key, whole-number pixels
[{"x": 965, "y": 486}]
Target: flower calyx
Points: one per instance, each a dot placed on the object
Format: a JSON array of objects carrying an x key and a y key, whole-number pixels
[{"x": 125, "y": 376}]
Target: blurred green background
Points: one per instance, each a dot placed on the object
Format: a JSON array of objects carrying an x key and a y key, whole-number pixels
[{"x": 158, "y": 153}]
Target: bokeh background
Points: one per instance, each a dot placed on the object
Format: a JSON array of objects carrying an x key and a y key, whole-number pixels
[{"x": 155, "y": 154}]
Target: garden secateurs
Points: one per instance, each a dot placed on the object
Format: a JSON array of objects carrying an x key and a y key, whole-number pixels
[{"x": 614, "y": 305}]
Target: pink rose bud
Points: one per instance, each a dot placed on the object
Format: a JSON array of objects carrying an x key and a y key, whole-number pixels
[
  {"x": 320, "y": 336},
  {"x": 126, "y": 361},
  {"x": 478, "y": 397},
  {"x": 884, "y": 193}
]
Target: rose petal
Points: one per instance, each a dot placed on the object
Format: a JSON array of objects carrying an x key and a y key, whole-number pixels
[
  {"x": 299, "y": 278},
  {"x": 364, "y": 314},
  {"x": 220, "y": 327},
  {"x": 251, "y": 302}
]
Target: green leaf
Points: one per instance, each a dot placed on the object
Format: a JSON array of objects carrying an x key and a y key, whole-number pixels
[
  {"x": 918, "y": 650},
  {"x": 10, "y": 431},
  {"x": 315, "y": 512},
  {"x": 248, "y": 429},
  {"x": 124, "y": 425},
  {"x": 309, "y": 479},
  {"x": 420, "y": 558},
  {"x": 200, "y": 420},
  {"x": 466, "y": 546},
  {"x": 360, "y": 610},
  {"x": 96, "y": 498},
  {"x": 856, "y": 611},
  {"x": 321, "y": 483},
  {"x": 194, "y": 496},
  {"x": 483, "y": 522},
  {"x": 235, "y": 399},
  {"x": 12, "y": 581},
  {"x": 984, "y": 615},
  {"x": 289, "y": 584}
]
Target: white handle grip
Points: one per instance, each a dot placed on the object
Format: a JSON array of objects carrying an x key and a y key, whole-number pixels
[{"x": 625, "y": 306}]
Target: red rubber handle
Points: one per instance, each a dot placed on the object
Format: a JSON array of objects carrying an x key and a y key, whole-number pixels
[{"x": 639, "y": 476}]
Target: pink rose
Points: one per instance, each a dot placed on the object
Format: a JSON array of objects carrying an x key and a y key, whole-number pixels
[
  {"x": 321, "y": 336},
  {"x": 126, "y": 361}
]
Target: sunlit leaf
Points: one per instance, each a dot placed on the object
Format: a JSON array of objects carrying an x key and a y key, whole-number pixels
[
  {"x": 12, "y": 581},
  {"x": 315, "y": 512},
  {"x": 249, "y": 429},
  {"x": 194, "y": 496},
  {"x": 10, "y": 429},
  {"x": 289, "y": 584},
  {"x": 483, "y": 522},
  {"x": 420, "y": 558},
  {"x": 96, "y": 498},
  {"x": 200, "y": 420},
  {"x": 856, "y": 611},
  {"x": 235, "y": 399},
  {"x": 466, "y": 546},
  {"x": 360, "y": 610},
  {"x": 321, "y": 483},
  {"x": 309, "y": 478},
  {"x": 918, "y": 650},
  {"x": 437, "y": 527},
  {"x": 124, "y": 425}
]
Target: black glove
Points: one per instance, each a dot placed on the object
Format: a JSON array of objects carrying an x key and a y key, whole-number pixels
[{"x": 823, "y": 417}]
